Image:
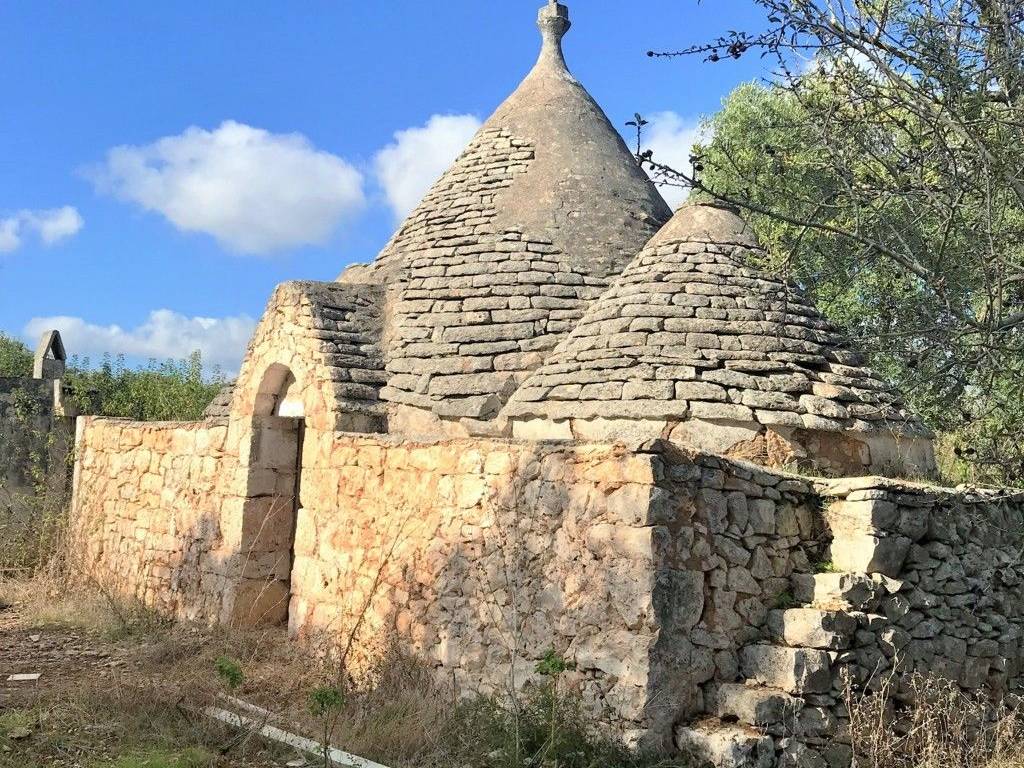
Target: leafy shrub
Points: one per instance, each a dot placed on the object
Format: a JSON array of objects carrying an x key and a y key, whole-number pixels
[
  {"x": 174, "y": 390},
  {"x": 15, "y": 358}
]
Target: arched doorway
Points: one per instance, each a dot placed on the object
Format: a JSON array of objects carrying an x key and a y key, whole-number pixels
[{"x": 273, "y": 494}]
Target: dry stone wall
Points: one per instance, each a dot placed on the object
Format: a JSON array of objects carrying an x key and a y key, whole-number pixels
[
  {"x": 481, "y": 556},
  {"x": 151, "y": 504},
  {"x": 691, "y": 343},
  {"x": 698, "y": 597},
  {"x": 917, "y": 583},
  {"x": 948, "y": 571},
  {"x": 479, "y": 305},
  {"x": 649, "y": 569}
]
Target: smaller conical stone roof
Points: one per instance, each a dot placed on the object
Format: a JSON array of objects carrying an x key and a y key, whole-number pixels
[{"x": 689, "y": 332}]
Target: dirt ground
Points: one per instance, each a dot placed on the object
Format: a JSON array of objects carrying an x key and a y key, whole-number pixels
[{"x": 127, "y": 691}]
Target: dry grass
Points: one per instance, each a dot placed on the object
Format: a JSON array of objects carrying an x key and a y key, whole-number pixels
[
  {"x": 143, "y": 711},
  {"x": 944, "y": 728}
]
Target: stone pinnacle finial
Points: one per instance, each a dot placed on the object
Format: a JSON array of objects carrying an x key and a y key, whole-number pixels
[{"x": 553, "y": 21}]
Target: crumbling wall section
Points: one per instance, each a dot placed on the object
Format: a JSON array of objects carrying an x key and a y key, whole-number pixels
[
  {"x": 918, "y": 583},
  {"x": 151, "y": 506},
  {"x": 947, "y": 571},
  {"x": 34, "y": 444}
]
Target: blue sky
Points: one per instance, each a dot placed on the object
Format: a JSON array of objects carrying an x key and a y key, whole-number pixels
[{"x": 164, "y": 165}]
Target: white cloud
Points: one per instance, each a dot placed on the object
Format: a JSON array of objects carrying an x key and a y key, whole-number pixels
[
  {"x": 164, "y": 335},
  {"x": 418, "y": 156},
  {"x": 671, "y": 138},
  {"x": 254, "y": 191},
  {"x": 51, "y": 226},
  {"x": 10, "y": 234}
]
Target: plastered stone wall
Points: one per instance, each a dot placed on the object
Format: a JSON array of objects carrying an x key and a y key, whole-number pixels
[{"x": 151, "y": 504}]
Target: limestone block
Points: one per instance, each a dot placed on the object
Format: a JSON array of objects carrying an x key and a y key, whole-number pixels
[
  {"x": 864, "y": 553},
  {"x": 756, "y": 705},
  {"x": 259, "y": 603},
  {"x": 812, "y": 628},
  {"x": 838, "y": 590},
  {"x": 267, "y": 524},
  {"x": 794, "y": 670},
  {"x": 711, "y": 436},
  {"x": 678, "y": 600},
  {"x": 726, "y": 746}
]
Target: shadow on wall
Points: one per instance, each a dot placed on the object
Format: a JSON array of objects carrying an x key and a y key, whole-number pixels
[{"x": 484, "y": 556}]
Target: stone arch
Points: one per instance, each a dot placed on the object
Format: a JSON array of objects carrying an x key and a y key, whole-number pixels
[
  {"x": 50, "y": 358},
  {"x": 272, "y": 499},
  {"x": 279, "y": 394}
]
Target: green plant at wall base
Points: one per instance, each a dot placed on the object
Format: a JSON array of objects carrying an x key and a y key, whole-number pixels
[
  {"x": 229, "y": 671},
  {"x": 552, "y": 665},
  {"x": 326, "y": 699},
  {"x": 326, "y": 703},
  {"x": 489, "y": 733}
]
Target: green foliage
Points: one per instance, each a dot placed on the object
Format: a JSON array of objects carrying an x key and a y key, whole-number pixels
[
  {"x": 325, "y": 700},
  {"x": 229, "y": 671},
  {"x": 767, "y": 151},
  {"x": 15, "y": 358},
  {"x": 785, "y": 600},
  {"x": 543, "y": 728},
  {"x": 36, "y": 455},
  {"x": 826, "y": 566},
  {"x": 168, "y": 391},
  {"x": 552, "y": 665}
]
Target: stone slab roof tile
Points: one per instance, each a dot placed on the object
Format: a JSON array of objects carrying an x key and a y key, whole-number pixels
[
  {"x": 652, "y": 344},
  {"x": 527, "y": 227}
]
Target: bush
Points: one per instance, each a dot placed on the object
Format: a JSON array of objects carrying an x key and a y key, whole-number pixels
[
  {"x": 174, "y": 390},
  {"x": 15, "y": 358}
]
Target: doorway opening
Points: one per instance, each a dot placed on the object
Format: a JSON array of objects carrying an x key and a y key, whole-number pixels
[{"x": 272, "y": 502}]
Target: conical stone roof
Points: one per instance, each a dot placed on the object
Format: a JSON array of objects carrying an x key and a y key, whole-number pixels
[
  {"x": 689, "y": 333},
  {"x": 496, "y": 264}
]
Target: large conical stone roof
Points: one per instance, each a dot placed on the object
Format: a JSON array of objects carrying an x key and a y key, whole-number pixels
[
  {"x": 543, "y": 208},
  {"x": 690, "y": 337}
]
